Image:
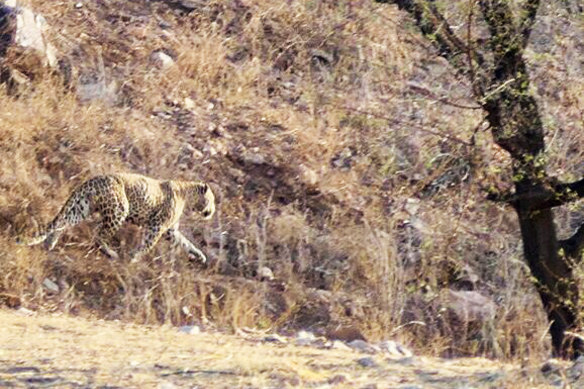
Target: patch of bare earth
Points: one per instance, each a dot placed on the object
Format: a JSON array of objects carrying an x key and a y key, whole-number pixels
[{"x": 61, "y": 351}]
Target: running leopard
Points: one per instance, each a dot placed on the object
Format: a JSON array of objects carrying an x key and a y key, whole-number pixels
[{"x": 155, "y": 205}]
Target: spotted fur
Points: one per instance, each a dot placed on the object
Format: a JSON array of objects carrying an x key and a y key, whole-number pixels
[{"x": 155, "y": 205}]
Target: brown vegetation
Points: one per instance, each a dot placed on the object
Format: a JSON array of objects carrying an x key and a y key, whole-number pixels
[{"x": 334, "y": 136}]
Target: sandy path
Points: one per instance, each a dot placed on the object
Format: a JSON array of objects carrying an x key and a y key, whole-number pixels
[{"x": 60, "y": 351}]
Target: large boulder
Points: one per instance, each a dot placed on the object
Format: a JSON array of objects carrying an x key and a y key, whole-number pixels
[
  {"x": 24, "y": 41},
  {"x": 467, "y": 306}
]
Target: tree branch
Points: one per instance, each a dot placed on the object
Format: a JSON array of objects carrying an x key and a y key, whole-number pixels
[
  {"x": 501, "y": 25},
  {"x": 550, "y": 197},
  {"x": 574, "y": 245},
  {"x": 437, "y": 29},
  {"x": 564, "y": 193},
  {"x": 526, "y": 25}
]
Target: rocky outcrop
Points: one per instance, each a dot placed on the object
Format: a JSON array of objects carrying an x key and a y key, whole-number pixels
[
  {"x": 26, "y": 33},
  {"x": 25, "y": 47}
]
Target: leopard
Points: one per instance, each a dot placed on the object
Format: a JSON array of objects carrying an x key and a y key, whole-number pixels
[{"x": 153, "y": 204}]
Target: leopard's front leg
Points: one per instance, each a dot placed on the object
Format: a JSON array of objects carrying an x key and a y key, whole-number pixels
[
  {"x": 177, "y": 237},
  {"x": 151, "y": 236}
]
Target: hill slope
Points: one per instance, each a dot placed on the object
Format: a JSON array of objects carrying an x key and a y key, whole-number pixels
[{"x": 335, "y": 139}]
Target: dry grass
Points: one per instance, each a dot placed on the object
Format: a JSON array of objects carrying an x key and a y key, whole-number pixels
[{"x": 325, "y": 94}]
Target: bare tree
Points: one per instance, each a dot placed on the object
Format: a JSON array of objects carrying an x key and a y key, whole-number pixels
[{"x": 497, "y": 71}]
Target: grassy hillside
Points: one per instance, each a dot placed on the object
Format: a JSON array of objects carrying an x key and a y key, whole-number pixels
[{"x": 346, "y": 155}]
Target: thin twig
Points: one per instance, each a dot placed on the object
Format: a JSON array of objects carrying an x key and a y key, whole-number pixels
[{"x": 415, "y": 126}]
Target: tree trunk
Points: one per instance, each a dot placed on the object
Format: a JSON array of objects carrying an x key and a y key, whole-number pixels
[{"x": 553, "y": 273}]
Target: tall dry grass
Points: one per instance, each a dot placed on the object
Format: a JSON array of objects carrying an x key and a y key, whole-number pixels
[{"x": 331, "y": 168}]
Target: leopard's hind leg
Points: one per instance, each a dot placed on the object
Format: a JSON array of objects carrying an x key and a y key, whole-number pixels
[
  {"x": 75, "y": 210},
  {"x": 114, "y": 209}
]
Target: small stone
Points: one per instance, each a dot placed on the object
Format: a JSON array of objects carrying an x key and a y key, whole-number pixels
[
  {"x": 189, "y": 5},
  {"x": 253, "y": 158},
  {"x": 22, "y": 311},
  {"x": 338, "y": 345},
  {"x": 92, "y": 87},
  {"x": 362, "y": 346},
  {"x": 305, "y": 338},
  {"x": 50, "y": 286},
  {"x": 265, "y": 274},
  {"x": 322, "y": 57},
  {"x": 367, "y": 362},
  {"x": 303, "y": 342},
  {"x": 412, "y": 205},
  {"x": 189, "y": 103},
  {"x": 551, "y": 366},
  {"x": 275, "y": 338},
  {"x": 305, "y": 335},
  {"x": 308, "y": 176},
  {"x": 161, "y": 60},
  {"x": 576, "y": 371},
  {"x": 79, "y": 5},
  {"x": 191, "y": 330},
  {"x": 395, "y": 349},
  {"x": 337, "y": 379}
]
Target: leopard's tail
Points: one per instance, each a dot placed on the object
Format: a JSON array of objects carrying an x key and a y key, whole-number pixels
[{"x": 76, "y": 209}]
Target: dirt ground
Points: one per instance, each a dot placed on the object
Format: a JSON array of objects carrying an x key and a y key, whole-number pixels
[{"x": 39, "y": 350}]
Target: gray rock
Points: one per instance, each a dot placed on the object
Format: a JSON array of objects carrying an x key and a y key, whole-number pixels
[
  {"x": 189, "y": 5},
  {"x": 322, "y": 57},
  {"x": 338, "y": 345},
  {"x": 275, "y": 338},
  {"x": 395, "y": 349},
  {"x": 93, "y": 87},
  {"x": 30, "y": 33},
  {"x": 22, "y": 311},
  {"x": 576, "y": 371},
  {"x": 308, "y": 176},
  {"x": 362, "y": 346},
  {"x": 367, "y": 362},
  {"x": 253, "y": 158},
  {"x": 191, "y": 330},
  {"x": 161, "y": 60},
  {"x": 551, "y": 366},
  {"x": 470, "y": 306},
  {"x": 265, "y": 274},
  {"x": 337, "y": 379},
  {"x": 50, "y": 286},
  {"x": 305, "y": 338}
]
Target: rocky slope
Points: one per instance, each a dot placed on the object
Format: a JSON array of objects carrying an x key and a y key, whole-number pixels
[{"x": 335, "y": 139}]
